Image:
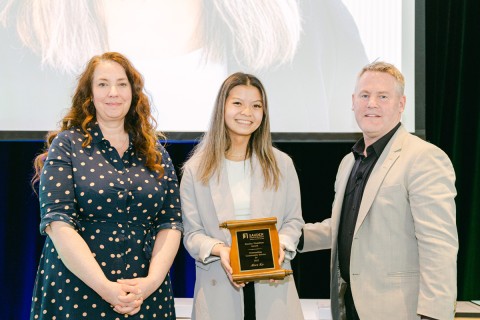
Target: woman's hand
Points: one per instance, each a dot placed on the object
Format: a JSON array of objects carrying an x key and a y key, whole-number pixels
[
  {"x": 223, "y": 252},
  {"x": 139, "y": 289},
  {"x": 281, "y": 258},
  {"x": 147, "y": 285},
  {"x": 77, "y": 257},
  {"x": 281, "y": 255},
  {"x": 125, "y": 298}
]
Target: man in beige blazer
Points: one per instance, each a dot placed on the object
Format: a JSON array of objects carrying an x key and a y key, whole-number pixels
[{"x": 392, "y": 231}]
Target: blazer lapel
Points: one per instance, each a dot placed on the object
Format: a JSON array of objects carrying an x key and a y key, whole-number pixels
[
  {"x": 340, "y": 186},
  {"x": 383, "y": 165},
  {"x": 222, "y": 197}
]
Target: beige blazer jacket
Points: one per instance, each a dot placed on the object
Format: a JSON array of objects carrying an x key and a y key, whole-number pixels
[
  {"x": 403, "y": 260},
  {"x": 205, "y": 206}
]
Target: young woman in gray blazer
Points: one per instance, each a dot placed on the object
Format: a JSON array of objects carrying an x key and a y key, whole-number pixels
[{"x": 235, "y": 173}]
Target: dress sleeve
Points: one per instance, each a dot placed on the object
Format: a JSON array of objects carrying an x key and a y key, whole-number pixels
[
  {"x": 170, "y": 215},
  {"x": 56, "y": 189}
]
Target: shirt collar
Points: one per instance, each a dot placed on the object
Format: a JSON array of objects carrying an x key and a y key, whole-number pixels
[
  {"x": 376, "y": 147},
  {"x": 97, "y": 135}
]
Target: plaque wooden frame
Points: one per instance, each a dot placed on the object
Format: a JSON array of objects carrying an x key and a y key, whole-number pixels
[{"x": 255, "y": 249}]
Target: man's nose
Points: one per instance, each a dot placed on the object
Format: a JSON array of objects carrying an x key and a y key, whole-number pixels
[{"x": 372, "y": 102}]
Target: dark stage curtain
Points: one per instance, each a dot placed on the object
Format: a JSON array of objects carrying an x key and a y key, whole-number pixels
[{"x": 453, "y": 118}]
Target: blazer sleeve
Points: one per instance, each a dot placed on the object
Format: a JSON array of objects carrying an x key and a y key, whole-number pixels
[
  {"x": 292, "y": 225},
  {"x": 196, "y": 241},
  {"x": 431, "y": 193},
  {"x": 317, "y": 236}
]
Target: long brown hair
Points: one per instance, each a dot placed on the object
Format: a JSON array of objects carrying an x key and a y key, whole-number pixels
[
  {"x": 216, "y": 140},
  {"x": 139, "y": 122}
]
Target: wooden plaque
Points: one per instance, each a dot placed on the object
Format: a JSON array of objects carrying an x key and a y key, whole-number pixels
[{"x": 255, "y": 249}]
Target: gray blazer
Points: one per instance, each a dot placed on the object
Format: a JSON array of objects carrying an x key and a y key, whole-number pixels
[
  {"x": 205, "y": 206},
  {"x": 404, "y": 251}
]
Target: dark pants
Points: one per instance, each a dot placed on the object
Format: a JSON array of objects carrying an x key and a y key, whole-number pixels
[
  {"x": 350, "y": 305},
  {"x": 249, "y": 301}
]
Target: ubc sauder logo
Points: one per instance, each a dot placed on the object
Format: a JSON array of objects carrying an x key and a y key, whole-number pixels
[{"x": 253, "y": 236}]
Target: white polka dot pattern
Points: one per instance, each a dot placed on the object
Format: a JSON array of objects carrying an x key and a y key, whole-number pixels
[{"x": 118, "y": 206}]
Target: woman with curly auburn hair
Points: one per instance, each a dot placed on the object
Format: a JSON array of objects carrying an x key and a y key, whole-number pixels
[
  {"x": 234, "y": 174},
  {"x": 109, "y": 203}
]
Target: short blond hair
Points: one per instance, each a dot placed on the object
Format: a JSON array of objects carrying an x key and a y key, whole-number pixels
[{"x": 380, "y": 66}]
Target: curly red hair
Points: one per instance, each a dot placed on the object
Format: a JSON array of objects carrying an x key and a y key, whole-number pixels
[{"x": 139, "y": 122}]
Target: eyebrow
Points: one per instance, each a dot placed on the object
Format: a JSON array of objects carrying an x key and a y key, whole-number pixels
[
  {"x": 105, "y": 79},
  {"x": 238, "y": 98},
  {"x": 376, "y": 92}
]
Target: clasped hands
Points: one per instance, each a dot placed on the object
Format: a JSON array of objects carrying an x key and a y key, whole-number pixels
[{"x": 127, "y": 295}]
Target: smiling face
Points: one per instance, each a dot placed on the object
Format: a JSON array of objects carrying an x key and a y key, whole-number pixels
[
  {"x": 378, "y": 104},
  {"x": 112, "y": 93},
  {"x": 243, "y": 111}
]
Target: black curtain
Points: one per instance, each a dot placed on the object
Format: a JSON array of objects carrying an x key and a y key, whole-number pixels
[{"x": 453, "y": 118}]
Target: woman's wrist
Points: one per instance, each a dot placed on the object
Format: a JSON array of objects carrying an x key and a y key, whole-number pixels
[
  {"x": 102, "y": 288},
  {"x": 217, "y": 248},
  {"x": 152, "y": 284}
]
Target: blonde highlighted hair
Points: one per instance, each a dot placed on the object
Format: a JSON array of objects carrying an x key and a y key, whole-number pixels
[{"x": 216, "y": 141}]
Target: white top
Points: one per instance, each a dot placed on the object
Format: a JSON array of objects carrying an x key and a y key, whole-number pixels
[{"x": 240, "y": 180}]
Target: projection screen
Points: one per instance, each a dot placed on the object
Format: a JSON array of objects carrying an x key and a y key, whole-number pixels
[{"x": 307, "y": 53}]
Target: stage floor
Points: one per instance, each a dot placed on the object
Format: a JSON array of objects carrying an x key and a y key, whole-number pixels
[{"x": 319, "y": 309}]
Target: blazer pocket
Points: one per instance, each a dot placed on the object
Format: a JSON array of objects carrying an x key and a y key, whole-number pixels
[
  {"x": 403, "y": 274},
  {"x": 404, "y": 279},
  {"x": 391, "y": 199},
  {"x": 393, "y": 191}
]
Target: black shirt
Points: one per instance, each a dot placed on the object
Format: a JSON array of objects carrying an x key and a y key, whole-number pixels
[{"x": 357, "y": 181}]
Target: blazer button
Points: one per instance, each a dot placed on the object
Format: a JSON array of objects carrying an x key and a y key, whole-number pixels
[{"x": 214, "y": 282}]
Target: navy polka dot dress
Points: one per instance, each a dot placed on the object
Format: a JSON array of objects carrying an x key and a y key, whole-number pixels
[{"x": 117, "y": 205}]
